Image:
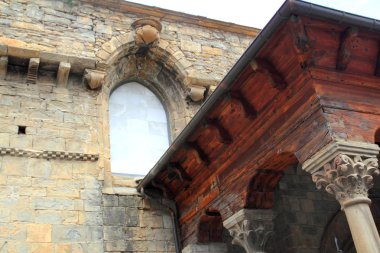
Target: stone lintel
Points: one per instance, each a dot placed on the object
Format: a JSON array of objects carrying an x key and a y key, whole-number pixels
[
  {"x": 331, "y": 151},
  {"x": 63, "y": 73},
  {"x": 3, "y": 66},
  {"x": 206, "y": 248}
]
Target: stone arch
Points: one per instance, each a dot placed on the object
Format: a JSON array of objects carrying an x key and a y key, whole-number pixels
[
  {"x": 123, "y": 45},
  {"x": 163, "y": 70}
]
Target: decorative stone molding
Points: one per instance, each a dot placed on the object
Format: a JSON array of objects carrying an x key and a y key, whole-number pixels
[
  {"x": 251, "y": 228},
  {"x": 94, "y": 78},
  {"x": 206, "y": 248},
  {"x": 348, "y": 177},
  {"x": 147, "y": 32},
  {"x": 56, "y": 155}
]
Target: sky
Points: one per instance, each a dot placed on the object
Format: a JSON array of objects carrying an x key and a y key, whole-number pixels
[{"x": 256, "y": 13}]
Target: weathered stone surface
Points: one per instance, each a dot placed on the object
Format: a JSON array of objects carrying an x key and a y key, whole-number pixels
[{"x": 38, "y": 232}]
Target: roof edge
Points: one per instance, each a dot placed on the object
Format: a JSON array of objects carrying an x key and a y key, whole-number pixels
[
  {"x": 169, "y": 15},
  {"x": 289, "y": 8}
]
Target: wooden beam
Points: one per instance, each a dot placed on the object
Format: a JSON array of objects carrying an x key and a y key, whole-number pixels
[
  {"x": 377, "y": 70},
  {"x": 249, "y": 110},
  {"x": 32, "y": 75},
  {"x": 265, "y": 67},
  {"x": 344, "y": 54}
]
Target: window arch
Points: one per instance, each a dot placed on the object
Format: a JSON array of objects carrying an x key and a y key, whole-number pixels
[{"x": 139, "y": 133}]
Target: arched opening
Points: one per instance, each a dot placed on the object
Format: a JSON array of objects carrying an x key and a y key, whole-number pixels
[
  {"x": 138, "y": 129},
  {"x": 210, "y": 227}
]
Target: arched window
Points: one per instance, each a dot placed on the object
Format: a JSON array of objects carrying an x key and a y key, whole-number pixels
[{"x": 138, "y": 129}]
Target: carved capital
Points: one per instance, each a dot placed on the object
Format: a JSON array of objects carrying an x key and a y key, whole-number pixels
[
  {"x": 345, "y": 169},
  {"x": 348, "y": 177},
  {"x": 251, "y": 229},
  {"x": 94, "y": 78}
]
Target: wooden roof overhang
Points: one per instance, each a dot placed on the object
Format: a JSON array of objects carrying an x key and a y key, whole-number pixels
[{"x": 310, "y": 78}]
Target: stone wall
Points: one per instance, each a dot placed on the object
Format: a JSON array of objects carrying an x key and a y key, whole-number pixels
[
  {"x": 54, "y": 138},
  {"x": 82, "y": 29},
  {"x": 301, "y": 214}
]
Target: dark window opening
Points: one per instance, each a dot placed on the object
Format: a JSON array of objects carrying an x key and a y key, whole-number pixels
[{"x": 21, "y": 130}]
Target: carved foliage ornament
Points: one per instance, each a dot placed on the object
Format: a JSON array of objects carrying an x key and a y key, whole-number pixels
[
  {"x": 251, "y": 235},
  {"x": 347, "y": 177}
]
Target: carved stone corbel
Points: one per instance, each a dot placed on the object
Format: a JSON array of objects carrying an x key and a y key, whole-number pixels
[
  {"x": 32, "y": 74},
  {"x": 251, "y": 229},
  {"x": 147, "y": 32},
  {"x": 94, "y": 78}
]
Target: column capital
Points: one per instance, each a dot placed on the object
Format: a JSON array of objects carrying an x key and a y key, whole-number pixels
[
  {"x": 251, "y": 228},
  {"x": 345, "y": 169}
]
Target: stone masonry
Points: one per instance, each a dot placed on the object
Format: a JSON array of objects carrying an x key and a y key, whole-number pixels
[{"x": 54, "y": 193}]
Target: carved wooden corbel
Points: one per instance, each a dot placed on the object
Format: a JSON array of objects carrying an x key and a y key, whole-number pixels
[
  {"x": 222, "y": 134},
  {"x": 200, "y": 155},
  {"x": 180, "y": 173},
  {"x": 266, "y": 68},
  {"x": 346, "y": 42},
  {"x": 249, "y": 110},
  {"x": 94, "y": 78}
]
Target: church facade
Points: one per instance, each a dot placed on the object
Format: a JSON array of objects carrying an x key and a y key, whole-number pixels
[{"x": 92, "y": 94}]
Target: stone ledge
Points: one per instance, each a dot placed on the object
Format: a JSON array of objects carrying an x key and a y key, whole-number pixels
[{"x": 55, "y": 155}]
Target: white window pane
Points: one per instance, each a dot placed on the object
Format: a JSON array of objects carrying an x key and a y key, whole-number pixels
[{"x": 138, "y": 129}]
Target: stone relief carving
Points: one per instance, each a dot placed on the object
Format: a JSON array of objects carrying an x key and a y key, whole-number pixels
[{"x": 347, "y": 177}]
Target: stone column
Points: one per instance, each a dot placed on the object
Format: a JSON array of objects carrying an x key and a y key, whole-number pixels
[
  {"x": 251, "y": 229},
  {"x": 346, "y": 170},
  {"x": 206, "y": 248}
]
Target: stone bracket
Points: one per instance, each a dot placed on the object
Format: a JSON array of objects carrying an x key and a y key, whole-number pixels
[
  {"x": 94, "y": 78},
  {"x": 32, "y": 75},
  {"x": 63, "y": 73}
]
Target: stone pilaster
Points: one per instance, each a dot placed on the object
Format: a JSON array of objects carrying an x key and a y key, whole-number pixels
[
  {"x": 206, "y": 248},
  {"x": 346, "y": 170},
  {"x": 251, "y": 229}
]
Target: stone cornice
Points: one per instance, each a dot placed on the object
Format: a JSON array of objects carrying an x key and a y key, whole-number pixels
[
  {"x": 55, "y": 155},
  {"x": 169, "y": 15}
]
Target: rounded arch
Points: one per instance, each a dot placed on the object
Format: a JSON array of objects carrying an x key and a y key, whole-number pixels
[{"x": 168, "y": 55}]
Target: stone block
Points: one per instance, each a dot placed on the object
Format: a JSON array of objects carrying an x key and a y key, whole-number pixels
[
  {"x": 38, "y": 232},
  {"x": 191, "y": 46},
  {"x": 3, "y": 66},
  {"x": 114, "y": 216},
  {"x": 110, "y": 200},
  {"x": 21, "y": 141},
  {"x": 4, "y": 140},
  {"x": 41, "y": 248},
  {"x": 119, "y": 245},
  {"x": 114, "y": 233},
  {"x": 15, "y": 166}
]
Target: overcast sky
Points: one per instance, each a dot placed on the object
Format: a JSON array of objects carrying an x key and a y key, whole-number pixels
[{"x": 256, "y": 13}]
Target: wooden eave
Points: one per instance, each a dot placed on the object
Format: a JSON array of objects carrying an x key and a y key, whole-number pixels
[{"x": 307, "y": 80}]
